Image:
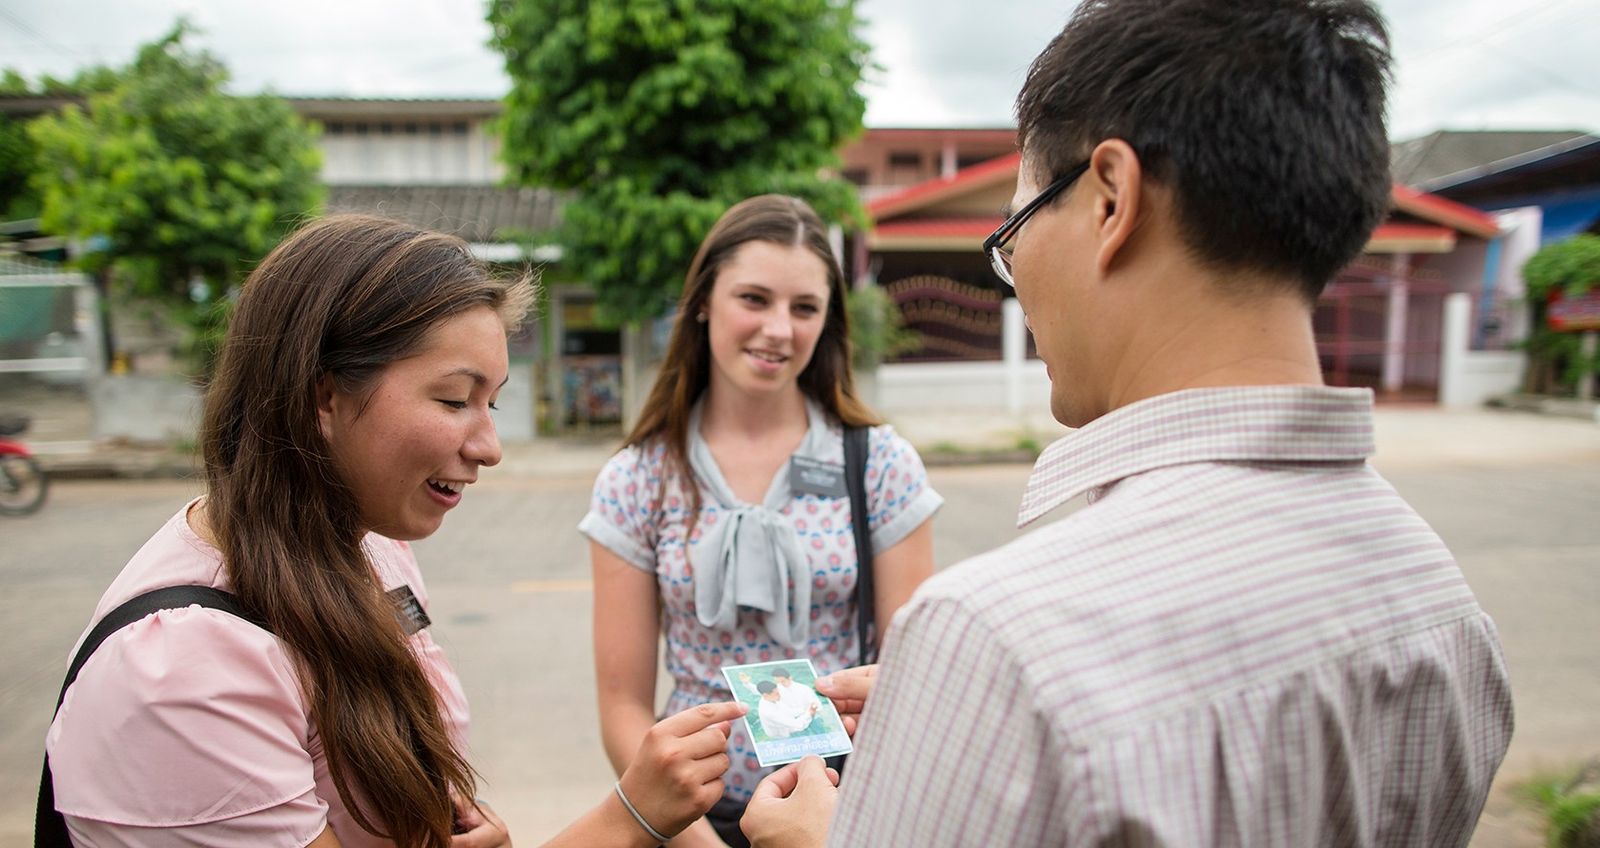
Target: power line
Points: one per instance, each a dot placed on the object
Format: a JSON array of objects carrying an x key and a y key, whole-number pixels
[
  {"x": 1548, "y": 75},
  {"x": 19, "y": 24},
  {"x": 1499, "y": 26}
]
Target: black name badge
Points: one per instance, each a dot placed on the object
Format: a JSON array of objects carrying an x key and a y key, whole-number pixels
[
  {"x": 809, "y": 476},
  {"x": 409, "y": 610}
]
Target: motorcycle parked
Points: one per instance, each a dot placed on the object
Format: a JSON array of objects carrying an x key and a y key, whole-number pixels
[{"x": 23, "y": 482}]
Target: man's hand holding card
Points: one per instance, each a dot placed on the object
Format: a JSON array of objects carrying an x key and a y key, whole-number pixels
[
  {"x": 848, "y": 690},
  {"x": 791, "y": 808}
]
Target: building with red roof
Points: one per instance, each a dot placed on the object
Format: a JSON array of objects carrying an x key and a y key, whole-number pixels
[{"x": 1379, "y": 324}]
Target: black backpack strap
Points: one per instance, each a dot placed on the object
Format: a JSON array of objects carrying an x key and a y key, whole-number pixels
[
  {"x": 49, "y": 828},
  {"x": 855, "y": 472}
]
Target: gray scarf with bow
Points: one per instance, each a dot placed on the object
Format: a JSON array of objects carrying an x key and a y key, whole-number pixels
[{"x": 751, "y": 557}]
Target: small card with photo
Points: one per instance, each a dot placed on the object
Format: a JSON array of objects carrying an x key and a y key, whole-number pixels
[{"x": 788, "y": 718}]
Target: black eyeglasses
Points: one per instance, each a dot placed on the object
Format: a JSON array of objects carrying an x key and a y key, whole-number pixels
[{"x": 998, "y": 245}]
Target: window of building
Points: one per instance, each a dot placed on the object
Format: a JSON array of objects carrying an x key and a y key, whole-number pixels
[{"x": 905, "y": 159}]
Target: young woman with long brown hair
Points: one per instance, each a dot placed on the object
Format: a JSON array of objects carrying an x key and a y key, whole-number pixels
[
  {"x": 349, "y": 411},
  {"x": 696, "y": 532}
]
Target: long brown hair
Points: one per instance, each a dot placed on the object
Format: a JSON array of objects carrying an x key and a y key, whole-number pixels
[
  {"x": 342, "y": 298},
  {"x": 686, "y": 370}
]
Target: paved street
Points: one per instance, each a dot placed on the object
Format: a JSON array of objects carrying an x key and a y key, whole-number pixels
[{"x": 511, "y": 604}]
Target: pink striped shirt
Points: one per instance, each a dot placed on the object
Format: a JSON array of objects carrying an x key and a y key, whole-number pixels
[{"x": 1248, "y": 638}]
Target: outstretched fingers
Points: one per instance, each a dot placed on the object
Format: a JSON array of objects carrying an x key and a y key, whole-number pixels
[{"x": 698, "y": 718}]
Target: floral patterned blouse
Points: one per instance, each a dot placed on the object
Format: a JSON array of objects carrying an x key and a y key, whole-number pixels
[{"x": 645, "y": 523}]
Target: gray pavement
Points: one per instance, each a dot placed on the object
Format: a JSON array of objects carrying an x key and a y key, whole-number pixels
[{"x": 1515, "y": 496}]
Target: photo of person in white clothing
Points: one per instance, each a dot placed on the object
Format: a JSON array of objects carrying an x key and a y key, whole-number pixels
[
  {"x": 787, "y": 718},
  {"x": 781, "y": 718},
  {"x": 797, "y": 695}
]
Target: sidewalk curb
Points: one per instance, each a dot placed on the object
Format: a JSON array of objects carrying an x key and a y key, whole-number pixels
[
  {"x": 121, "y": 465},
  {"x": 1559, "y": 407},
  {"x": 942, "y": 458}
]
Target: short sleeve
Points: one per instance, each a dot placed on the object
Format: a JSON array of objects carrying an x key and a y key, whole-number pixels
[
  {"x": 899, "y": 496},
  {"x": 187, "y": 727},
  {"x": 622, "y": 511},
  {"x": 295, "y": 822}
]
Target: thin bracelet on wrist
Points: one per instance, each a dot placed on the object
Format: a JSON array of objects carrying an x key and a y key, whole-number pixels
[{"x": 654, "y": 834}]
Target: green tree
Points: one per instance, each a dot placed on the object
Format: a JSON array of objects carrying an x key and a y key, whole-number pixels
[
  {"x": 877, "y": 328},
  {"x": 18, "y": 154},
  {"x": 659, "y": 114},
  {"x": 175, "y": 183},
  {"x": 1571, "y": 267},
  {"x": 18, "y": 160}
]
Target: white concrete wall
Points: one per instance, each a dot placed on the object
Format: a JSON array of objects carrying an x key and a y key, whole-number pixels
[
  {"x": 921, "y": 388},
  {"x": 1484, "y": 374},
  {"x": 971, "y": 404},
  {"x": 1520, "y": 229},
  {"x": 1468, "y": 378},
  {"x": 965, "y": 405},
  {"x": 162, "y": 410},
  {"x": 1016, "y": 386},
  {"x": 147, "y": 410},
  {"x": 421, "y": 158},
  {"x": 513, "y": 421}
]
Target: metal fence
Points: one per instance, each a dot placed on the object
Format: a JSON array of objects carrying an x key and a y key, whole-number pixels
[
  {"x": 958, "y": 322},
  {"x": 47, "y": 320}
]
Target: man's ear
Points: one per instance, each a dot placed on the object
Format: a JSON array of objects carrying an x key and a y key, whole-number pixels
[
  {"x": 327, "y": 396},
  {"x": 1116, "y": 179}
]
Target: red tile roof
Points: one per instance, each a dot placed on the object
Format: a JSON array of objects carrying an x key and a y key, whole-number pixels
[
  {"x": 981, "y": 175},
  {"x": 1429, "y": 207},
  {"x": 1437, "y": 209},
  {"x": 978, "y": 228}
]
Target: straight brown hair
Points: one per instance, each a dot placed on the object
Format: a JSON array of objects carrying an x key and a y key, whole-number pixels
[
  {"x": 341, "y": 298},
  {"x": 686, "y": 370}
]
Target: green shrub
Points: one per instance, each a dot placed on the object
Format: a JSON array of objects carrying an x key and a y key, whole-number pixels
[
  {"x": 877, "y": 328},
  {"x": 1572, "y": 267},
  {"x": 1571, "y": 807}
]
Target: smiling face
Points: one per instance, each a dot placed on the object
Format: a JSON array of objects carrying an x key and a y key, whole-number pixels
[
  {"x": 411, "y": 443},
  {"x": 764, "y": 315}
]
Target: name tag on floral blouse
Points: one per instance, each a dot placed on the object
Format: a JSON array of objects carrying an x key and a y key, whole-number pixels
[{"x": 809, "y": 476}]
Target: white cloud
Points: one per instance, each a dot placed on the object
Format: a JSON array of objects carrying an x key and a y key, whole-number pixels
[{"x": 1460, "y": 63}]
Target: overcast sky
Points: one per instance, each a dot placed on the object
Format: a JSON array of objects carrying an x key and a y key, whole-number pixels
[{"x": 1462, "y": 64}]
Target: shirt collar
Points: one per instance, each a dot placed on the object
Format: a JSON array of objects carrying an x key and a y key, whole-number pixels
[
  {"x": 815, "y": 445},
  {"x": 1237, "y": 424}
]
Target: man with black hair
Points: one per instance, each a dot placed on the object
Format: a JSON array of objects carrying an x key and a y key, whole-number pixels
[{"x": 1247, "y": 637}]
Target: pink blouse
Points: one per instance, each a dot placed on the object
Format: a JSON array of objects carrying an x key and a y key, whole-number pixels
[{"x": 189, "y": 727}]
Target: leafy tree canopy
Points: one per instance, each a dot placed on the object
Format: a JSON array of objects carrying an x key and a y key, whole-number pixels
[
  {"x": 172, "y": 179},
  {"x": 1572, "y": 265},
  {"x": 19, "y": 157},
  {"x": 659, "y": 114}
]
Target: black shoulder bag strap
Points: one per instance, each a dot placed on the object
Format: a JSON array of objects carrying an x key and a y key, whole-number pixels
[
  {"x": 855, "y": 471},
  {"x": 49, "y": 828}
]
